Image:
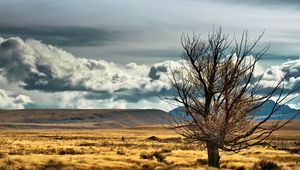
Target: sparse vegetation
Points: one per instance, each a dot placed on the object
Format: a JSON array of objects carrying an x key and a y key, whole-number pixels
[
  {"x": 145, "y": 155},
  {"x": 104, "y": 150},
  {"x": 12, "y": 164},
  {"x": 266, "y": 165},
  {"x": 53, "y": 164},
  {"x": 151, "y": 155},
  {"x": 67, "y": 151},
  {"x": 202, "y": 161},
  {"x": 120, "y": 151},
  {"x": 159, "y": 156},
  {"x": 87, "y": 144},
  {"x": 297, "y": 143},
  {"x": 2, "y": 155}
]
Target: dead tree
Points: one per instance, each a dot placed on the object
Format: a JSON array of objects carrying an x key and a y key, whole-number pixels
[{"x": 221, "y": 95}]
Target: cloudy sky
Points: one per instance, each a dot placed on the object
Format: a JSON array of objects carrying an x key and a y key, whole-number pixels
[{"x": 115, "y": 53}]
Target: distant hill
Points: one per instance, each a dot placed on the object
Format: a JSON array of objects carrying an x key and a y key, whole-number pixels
[
  {"x": 73, "y": 118},
  {"x": 284, "y": 112}
]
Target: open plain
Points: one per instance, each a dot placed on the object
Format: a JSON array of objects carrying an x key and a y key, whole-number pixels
[{"x": 155, "y": 147}]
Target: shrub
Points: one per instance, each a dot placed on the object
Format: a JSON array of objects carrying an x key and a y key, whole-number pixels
[
  {"x": 2, "y": 155},
  {"x": 53, "y": 164},
  {"x": 159, "y": 156},
  {"x": 46, "y": 151},
  {"x": 120, "y": 151},
  {"x": 294, "y": 151},
  {"x": 145, "y": 155},
  {"x": 12, "y": 164},
  {"x": 297, "y": 143},
  {"x": 87, "y": 144},
  {"x": 240, "y": 168},
  {"x": 67, "y": 151},
  {"x": 148, "y": 167},
  {"x": 202, "y": 161},
  {"x": 266, "y": 165},
  {"x": 290, "y": 150},
  {"x": 166, "y": 150},
  {"x": 16, "y": 152},
  {"x": 106, "y": 143}
]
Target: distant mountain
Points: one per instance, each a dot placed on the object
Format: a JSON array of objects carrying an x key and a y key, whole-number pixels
[
  {"x": 177, "y": 111},
  {"x": 72, "y": 118},
  {"x": 284, "y": 112}
]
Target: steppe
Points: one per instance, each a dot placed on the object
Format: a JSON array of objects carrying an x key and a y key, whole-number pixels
[{"x": 139, "y": 147}]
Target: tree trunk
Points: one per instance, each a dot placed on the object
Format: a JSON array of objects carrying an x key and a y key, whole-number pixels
[{"x": 213, "y": 155}]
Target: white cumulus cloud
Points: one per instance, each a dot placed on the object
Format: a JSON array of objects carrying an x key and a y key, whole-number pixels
[
  {"x": 76, "y": 82},
  {"x": 36, "y": 66},
  {"x": 12, "y": 101}
]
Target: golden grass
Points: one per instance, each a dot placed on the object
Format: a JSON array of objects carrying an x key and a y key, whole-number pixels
[{"x": 123, "y": 149}]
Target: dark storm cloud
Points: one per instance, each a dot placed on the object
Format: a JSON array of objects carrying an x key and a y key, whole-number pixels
[
  {"x": 63, "y": 36},
  {"x": 154, "y": 70},
  {"x": 270, "y": 56},
  {"x": 48, "y": 83},
  {"x": 118, "y": 31},
  {"x": 154, "y": 27},
  {"x": 39, "y": 67},
  {"x": 36, "y": 66}
]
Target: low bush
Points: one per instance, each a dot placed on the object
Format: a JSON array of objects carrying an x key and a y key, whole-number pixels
[
  {"x": 2, "y": 155},
  {"x": 294, "y": 150},
  {"x": 240, "y": 168},
  {"x": 12, "y": 164},
  {"x": 291, "y": 150},
  {"x": 148, "y": 167},
  {"x": 87, "y": 144},
  {"x": 157, "y": 154},
  {"x": 165, "y": 150},
  {"x": 266, "y": 165},
  {"x": 145, "y": 155},
  {"x": 53, "y": 164},
  {"x": 202, "y": 161},
  {"x": 67, "y": 151},
  {"x": 120, "y": 151}
]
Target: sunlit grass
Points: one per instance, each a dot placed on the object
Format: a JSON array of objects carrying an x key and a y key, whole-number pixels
[{"x": 122, "y": 149}]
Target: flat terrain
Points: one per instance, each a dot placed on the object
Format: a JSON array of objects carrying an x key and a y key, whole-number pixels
[
  {"x": 133, "y": 148},
  {"x": 81, "y": 118}
]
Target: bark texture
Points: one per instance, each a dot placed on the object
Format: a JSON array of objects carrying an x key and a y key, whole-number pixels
[{"x": 213, "y": 155}]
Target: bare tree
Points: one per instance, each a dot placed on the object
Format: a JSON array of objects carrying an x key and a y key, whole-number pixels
[{"x": 221, "y": 94}]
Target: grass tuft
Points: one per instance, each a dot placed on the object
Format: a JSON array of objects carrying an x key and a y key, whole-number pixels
[
  {"x": 68, "y": 151},
  {"x": 202, "y": 161},
  {"x": 121, "y": 151},
  {"x": 266, "y": 165},
  {"x": 87, "y": 144},
  {"x": 52, "y": 164}
]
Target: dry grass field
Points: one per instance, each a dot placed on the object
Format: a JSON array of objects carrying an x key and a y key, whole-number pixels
[{"x": 135, "y": 148}]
